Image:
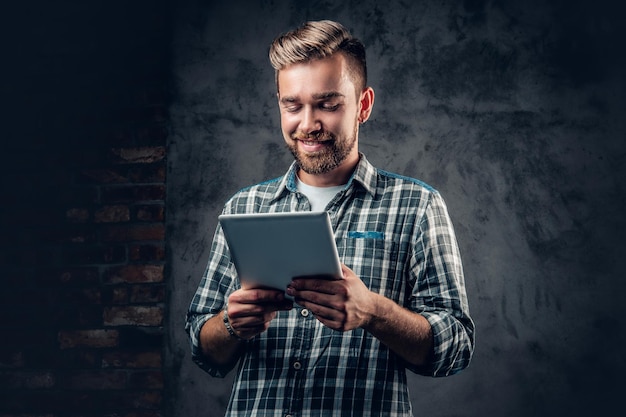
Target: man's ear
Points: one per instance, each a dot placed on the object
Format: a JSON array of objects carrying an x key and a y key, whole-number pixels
[{"x": 366, "y": 103}]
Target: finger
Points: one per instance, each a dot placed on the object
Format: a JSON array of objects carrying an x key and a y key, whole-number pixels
[
  {"x": 330, "y": 299},
  {"x": 251, "y": 310},
  {"x": 325, "y": 277},
  {"x": 257, "y": 296},
  {"x": 329, "y": 317},
  {"x": 345, "y": 271},
  {"x": 252, "y": 321},
  {"x": 250, "y": 326},
  {"x": 323, "y": 286}
]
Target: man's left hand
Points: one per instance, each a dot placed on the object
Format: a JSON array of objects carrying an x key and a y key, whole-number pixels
[{"x": 342, "y": 304}]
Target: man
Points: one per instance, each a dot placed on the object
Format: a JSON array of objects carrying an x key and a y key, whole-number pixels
[{"x": 343, "y": 346}]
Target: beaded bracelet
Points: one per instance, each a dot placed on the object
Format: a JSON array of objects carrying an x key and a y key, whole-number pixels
[{"x": 229, "y": 327}]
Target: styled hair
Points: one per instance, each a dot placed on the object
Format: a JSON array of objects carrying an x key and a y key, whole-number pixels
[{"x": 318, "y": 40}]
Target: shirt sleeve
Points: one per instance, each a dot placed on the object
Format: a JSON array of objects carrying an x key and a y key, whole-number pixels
[
  {"x": 217, "y": 282},
  {"x": 439, "y": 292}
]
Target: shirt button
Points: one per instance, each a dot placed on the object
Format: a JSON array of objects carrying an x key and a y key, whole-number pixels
[
  {"x": 304, "y": 312},
  {"x": 297, "y": 366}
]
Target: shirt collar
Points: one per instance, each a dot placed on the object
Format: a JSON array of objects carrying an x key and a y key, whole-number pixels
[{"x": 364, "y": 175}]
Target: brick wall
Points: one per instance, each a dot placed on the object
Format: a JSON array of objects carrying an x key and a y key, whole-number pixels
[{"x": 82, "y": 302}]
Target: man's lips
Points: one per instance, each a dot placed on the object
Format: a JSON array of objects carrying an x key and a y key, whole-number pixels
[
  {"x": 312, "y": 145},
  {"x": 313, "y": 142}
]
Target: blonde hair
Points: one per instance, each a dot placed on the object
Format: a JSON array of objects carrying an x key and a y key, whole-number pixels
[{"x": 318, "y": 40}]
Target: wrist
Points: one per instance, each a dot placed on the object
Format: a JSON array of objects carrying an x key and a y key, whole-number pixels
[
  {"x": 229, "y": 328},
  {"x": 378, "y": 312}
]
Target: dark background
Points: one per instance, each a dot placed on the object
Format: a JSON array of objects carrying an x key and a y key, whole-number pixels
[{"x": 126, "y": 125}]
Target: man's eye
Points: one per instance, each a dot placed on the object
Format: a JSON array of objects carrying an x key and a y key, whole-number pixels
[
  {"x": 329, "y": 106},
  {"x": 292, "y": 108}
]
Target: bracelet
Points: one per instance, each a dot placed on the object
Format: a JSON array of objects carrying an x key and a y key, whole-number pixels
[{"x": 229, "y": 327}]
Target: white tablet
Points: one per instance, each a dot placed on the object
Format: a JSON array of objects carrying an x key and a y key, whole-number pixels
[{"x": 268, "y": 250}]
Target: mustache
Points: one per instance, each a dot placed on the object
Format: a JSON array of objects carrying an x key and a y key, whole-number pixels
[{"x": 321, "y": 136}]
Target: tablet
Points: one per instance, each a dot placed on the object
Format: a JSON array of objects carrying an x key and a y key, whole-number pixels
[{"x": 270, "y": 249}]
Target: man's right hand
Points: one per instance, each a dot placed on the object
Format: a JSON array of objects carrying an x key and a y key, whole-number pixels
[{"x": 250, "y": 311}]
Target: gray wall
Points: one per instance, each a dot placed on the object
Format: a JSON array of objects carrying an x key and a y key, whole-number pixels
[{"x": 514, "y": 110}]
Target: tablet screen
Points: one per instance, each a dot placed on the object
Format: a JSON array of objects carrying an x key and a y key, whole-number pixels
[{"x": 269, "y": 249}]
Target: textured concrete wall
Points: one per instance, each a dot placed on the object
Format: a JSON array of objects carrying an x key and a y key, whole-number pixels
[{"x": 513, "y": 110}]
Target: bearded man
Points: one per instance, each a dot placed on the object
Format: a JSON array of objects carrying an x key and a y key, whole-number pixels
[{"x": 336, "y": 347}]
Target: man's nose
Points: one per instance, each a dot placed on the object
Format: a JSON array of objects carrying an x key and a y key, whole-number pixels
[{"x": 310, "y": 122}]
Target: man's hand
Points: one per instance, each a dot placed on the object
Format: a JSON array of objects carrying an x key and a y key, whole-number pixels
[
  {"x": 346, "y": 304},
  {"x": 250, "y": 311},
  {"x": 342, "y": 304}
]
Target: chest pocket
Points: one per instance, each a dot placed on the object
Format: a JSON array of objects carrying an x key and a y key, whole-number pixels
[{"x": 377, "y": 261}]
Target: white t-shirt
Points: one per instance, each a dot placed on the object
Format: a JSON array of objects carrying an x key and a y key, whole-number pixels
[{"x": 319, "y": 197}]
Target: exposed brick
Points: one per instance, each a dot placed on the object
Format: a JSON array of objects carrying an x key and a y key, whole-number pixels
[
  {"x": 146, "y": 114},
  {"x": 141, "y": 155},
  {"x": 88, "y": 338},
  {"x": 95, "y": 380},
  {"x": 141, "y": 337},
  {"x": 123, "y": 135},
  {"x": 146, "y": 253},
  {"x": 80, "y": 296},
  {"x": 134, "y": 274},
  {"x": 133, "y": 193},
  {"x": 73, "y": 276},
  {"x": 104, "y": 176},
  {"x": 150, "y": 400},
  {"x": 124, "y": 174},
  {"x": 146, "y": 380},
  {"x": 27, "y": 379},
  {"x": 36, "y": 357},
  {"x": 152, "y": 134},
  {"x": 94, "y": 254},
  {"x": 133, "y": 233},
  {"x": 147, "y": 294},
  {"x": 75, "y": 209},
  {"x": 133, "y": 316},
  {"x": 150, "y": 213},
  {"x": 112, "y": 214},
  {"x": 77, "y": 215},
  {"x": 79, "y": 316},
  {"x": 77, "y": 196},
  {"x": 116, "y": 295},
  {"x": 153, "y": 173},
  {"x": 71, "y": 233},
  {"x": 11, "y": 358},
  {"x": 132, "y": 359}
]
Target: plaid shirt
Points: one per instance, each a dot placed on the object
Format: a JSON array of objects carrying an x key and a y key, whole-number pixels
[{"x": 395, "y": 234}]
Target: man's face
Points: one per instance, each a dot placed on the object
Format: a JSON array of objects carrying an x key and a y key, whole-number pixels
[{"x": 319, "y": 113}]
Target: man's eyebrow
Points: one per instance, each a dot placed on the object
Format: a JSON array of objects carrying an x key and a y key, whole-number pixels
[
  {"x": 327, "y": 95},
  {"x": 288, "y": 100},
  {"x": 319, "y": 96}
]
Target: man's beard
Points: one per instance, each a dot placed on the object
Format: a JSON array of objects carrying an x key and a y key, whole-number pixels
[{"x": 326, "y": 160}]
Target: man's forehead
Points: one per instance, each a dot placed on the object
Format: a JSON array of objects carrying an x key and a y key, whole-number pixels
[{"x": 318, "y": 78}]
